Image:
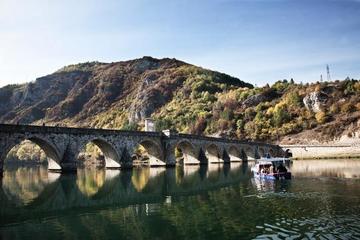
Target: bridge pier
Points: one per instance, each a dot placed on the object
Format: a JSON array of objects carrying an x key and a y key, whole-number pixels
[
  {"x": 1, "y": 168},
  {"x": 170, "y": 159},
  {"x": 69, "y": 167},
  {"x": 68, "y": 163},
  {"x": 125, "y": 158}
]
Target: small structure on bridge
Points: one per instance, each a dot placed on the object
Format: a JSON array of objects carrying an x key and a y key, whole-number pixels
[{"x": 149, "y": 125}]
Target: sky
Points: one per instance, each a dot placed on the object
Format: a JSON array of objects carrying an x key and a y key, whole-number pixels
[{"x": 258, "y": 41}]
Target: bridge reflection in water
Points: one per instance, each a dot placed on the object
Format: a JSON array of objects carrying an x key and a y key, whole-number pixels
[
  {"x": 28, "y": 192},
  {"x": 191, "y": 202}
]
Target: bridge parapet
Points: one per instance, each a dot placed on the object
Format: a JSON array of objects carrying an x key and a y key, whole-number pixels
[{"x": 12, "y": 128}]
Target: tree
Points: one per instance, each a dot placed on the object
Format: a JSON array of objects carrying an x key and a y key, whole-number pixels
[
  {"x": 293, "y": 99},
  {"x": 280, "y": 116},
  {"x": 199, "y": 127},
  {"x": 163, "y": 124}
]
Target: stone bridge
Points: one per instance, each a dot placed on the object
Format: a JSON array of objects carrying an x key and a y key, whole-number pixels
[{"x": 62, "y": 146}]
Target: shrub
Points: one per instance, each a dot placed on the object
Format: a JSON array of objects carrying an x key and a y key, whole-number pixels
[
  {"x": 199, "y": 127},
  {"x": 357, "y": 106},
  {"x": 227, "y": 114},
  {"x": 251, "y": 130},
  {"x": 129, "y": 126},
  {"x": 207, "y": 97},
  {"x": 321, "y": 117},
  {"x": 249, "y": 114},
  {"x": 357, "y": 86},
  {"x": 163, "y": 124},
  {"x": 223, "y": 124},
  {"x": 280, "y": 85},
  {"x": 240, "y": 124},
  {"x": 334, "y": 108},
  {"x": 205, "y": 85},
  {"x": 347, "y": 108},
  {"x": 293, "y": 99}
]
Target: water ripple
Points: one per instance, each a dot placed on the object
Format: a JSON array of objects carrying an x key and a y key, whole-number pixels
[{"x": 338, "y": 227}]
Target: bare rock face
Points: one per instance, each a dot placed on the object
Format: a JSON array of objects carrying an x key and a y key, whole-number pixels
[
  {"x": 156, "y": 86},
  {"x": 27, "y": 103},
  {"x": 254, "y": 100},
  {"x": 315, "y": 101}
]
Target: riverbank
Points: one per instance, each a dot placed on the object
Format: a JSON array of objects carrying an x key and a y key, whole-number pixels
[
  {"x": 327, "y": 158},
  {"x": 345, "y": 151}
]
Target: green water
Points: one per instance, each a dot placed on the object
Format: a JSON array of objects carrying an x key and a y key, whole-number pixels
[{"x": 322, "y": 201}]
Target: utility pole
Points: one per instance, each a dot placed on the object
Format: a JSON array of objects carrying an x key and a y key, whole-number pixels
[{"x": 328, "y": 73}]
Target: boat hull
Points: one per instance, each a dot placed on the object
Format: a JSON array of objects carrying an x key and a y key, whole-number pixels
[{"x": 274, "y": 176}]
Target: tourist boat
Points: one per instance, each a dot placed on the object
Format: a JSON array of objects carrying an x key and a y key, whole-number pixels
[{"x": 272, "y": 168}]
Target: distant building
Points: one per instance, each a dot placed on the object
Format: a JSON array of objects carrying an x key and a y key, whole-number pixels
[{"x": 149, "y": 125}]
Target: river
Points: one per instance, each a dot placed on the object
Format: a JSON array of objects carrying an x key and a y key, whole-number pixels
[{"x": 322, "y": 201}]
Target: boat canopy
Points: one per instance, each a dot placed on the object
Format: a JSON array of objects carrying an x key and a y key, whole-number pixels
[{"x": 267, "y": 161}]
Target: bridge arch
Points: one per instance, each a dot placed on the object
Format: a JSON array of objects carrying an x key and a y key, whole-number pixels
[
  {"x": 235, "y": 154},
  {"x": 154, "y": 152},
  {"x": 50, "y": 150},
  {"x": 251, "y": 152},
  {"x": 212, "y": 153},
  {"x": 272, "y": 152},
  {"x": 262, "y": 151},
  {"x": 111, "y": 157},
  {"x": 188, "y": 152}
]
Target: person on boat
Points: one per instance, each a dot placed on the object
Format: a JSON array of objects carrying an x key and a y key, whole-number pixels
[{"x": 281, "y": 168}]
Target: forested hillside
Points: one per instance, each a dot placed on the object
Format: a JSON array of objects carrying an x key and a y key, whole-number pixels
[{"x": 184, "y": 97}]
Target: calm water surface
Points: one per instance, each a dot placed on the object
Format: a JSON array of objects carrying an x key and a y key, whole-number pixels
[{"x": 322, "y": 201}]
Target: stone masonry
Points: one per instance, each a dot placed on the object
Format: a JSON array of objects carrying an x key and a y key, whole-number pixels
[{"x": 62, "y": 146}]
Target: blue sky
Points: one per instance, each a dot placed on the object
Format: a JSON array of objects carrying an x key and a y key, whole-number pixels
[{"x": 259, "y": 41}]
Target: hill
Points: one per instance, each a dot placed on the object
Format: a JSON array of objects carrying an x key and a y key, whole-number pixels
[
  {"x": 107, "y": 94},
  {"x": 184, "y": 97}
]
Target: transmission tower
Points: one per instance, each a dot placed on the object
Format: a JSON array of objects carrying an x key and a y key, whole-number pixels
[
  {"x": 321, "y": 78},
  {"x": 328, "y": 73}
]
